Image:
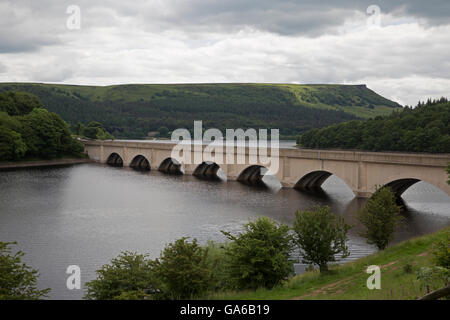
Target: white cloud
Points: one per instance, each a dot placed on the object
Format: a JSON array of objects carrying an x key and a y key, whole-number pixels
[{"x": 405, "y": 59}]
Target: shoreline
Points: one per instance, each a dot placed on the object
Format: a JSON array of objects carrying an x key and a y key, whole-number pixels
[{"x": 42, "y": 163}]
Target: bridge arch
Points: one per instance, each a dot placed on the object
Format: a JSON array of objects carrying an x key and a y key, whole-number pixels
[
  {"x": 207, "y": 169},
  {"x": 141, "y": 163},
  {"x": 115, "y": 160},
  {"x": 252, "y": 175},
  {"x": 315, "y": 180},
  {"x": 399, "y": 186},
  {"x": 171, "y": 166}
]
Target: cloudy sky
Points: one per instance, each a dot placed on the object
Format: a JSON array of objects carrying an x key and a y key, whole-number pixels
[{"x": 401, "y": 51}]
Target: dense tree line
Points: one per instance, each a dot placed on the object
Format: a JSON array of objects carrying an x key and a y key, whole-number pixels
[
  {"x": 131, "y": 111},
  {"x": 425, "y": 128},
  {"x": 29, "y": 130}
]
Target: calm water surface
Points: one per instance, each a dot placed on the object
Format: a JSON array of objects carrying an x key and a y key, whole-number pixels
[{"x": 86, "y": 214}]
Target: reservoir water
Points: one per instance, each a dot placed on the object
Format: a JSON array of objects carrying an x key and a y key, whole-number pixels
[{"x": 87, "y": 214}]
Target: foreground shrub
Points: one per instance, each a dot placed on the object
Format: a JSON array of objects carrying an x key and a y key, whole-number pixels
[
  {"x": 320, "y": 236},
  {"x": 260, "y": 257},
  {"x": 434, "y": 277},
  {"x": 381, "y": 217},
  {"x": 441, "y": 251},
  {"x": 220, "y": 262},
  {"x": 128, "y": 276},
  {"x": 184, "y": 269},
  {"x": 17, "y": 280}
]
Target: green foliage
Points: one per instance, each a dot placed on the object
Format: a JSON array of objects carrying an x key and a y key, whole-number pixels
[
  {"x": 18, "y": 103},
  {"x": 90, "y": 132},
  {"x": 12, "y": 146},
  {"x": 184, "y": 269},
  {"x": 78, "y": 129},
  {"x": 95, "y": 130},
  {"x": 47, "y": 135},
  {"x": 131, "y": 111},
  {"x": 128, "y": 276},
  {"x": 31, "y": 131},
  {"x": 434, "y": 277},
  {"x": 441, "y": 251},
  {"x": 17, "y": 280},
  {"x": 380, "y": 216},
  {"x": 321, "y": 235},
  {"x": 163, "y": 131},
  {"x": 408, "y": 268},
  {"x": 219, "y": 261},
  {"x": 260, "y": 257},
  {"x": 348, "y": 280},
  {"x": 425, "y": 128}
]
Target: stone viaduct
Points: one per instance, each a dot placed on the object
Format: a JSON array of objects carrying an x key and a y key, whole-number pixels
[{"x": 298, "y": 168}]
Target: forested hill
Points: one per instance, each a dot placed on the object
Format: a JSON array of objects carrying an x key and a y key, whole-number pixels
[
  {"x": 131, "y": 111},
  {"x": 425, "y": 128}
]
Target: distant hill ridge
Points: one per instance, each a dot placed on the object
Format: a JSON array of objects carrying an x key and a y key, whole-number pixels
[{"x": 133, "y": 110}]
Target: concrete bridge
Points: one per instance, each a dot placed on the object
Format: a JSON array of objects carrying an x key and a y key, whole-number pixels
[{"x": 298, "y": 168}]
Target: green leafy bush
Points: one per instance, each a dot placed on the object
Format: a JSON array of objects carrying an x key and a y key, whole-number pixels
[
  {"x": 321, "y": 235},
  {"x": 434, "y": 277},
  {"x": 441, "y": 251},
  {"x": 381, "y": 217},
  {"x": 184, "y": 269},
  {"x": 17, "y": 280},
  {"x": 128, "y": 276},
  {"x": 260, "y": 256},
  {"x": 95, "y": 130}
]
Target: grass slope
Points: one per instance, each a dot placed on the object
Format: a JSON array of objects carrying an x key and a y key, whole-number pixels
[
  {"x": 135, "y": 109},
  {"x": 348, "y": 281}
]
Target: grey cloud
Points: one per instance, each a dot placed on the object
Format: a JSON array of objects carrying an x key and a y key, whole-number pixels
[
  {"x": 286, "y": 17},
  {"x": 29, "y": 25}
]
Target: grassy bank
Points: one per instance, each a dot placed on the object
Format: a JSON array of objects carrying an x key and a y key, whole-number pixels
[{"x": 348, "y": 281}]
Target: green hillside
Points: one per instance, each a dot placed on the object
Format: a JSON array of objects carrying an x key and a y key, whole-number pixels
[
  {"x": 400, "y": 266},
  {"x": 131, "y": 111}
]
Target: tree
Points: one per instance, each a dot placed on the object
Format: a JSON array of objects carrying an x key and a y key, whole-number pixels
[
  {"x": 163, "y": 131},
  {"x": 128, "y": 276},
  {"x": 47, "y": 135},
  {"x": 321, "y": 235},
  {"x": 184, "y": 269},
  {"x": 260, "y": 256},
  {"x": 18, "y": 103},
  {"x": 90, "y": 132},
  {"x": 78, "y": 129},
  {"x": 17, "y": 280},
  {"x": 380, "y": 216},
  {"x": 95, "y": 130},
  {"x": 12, "y": 146}
]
